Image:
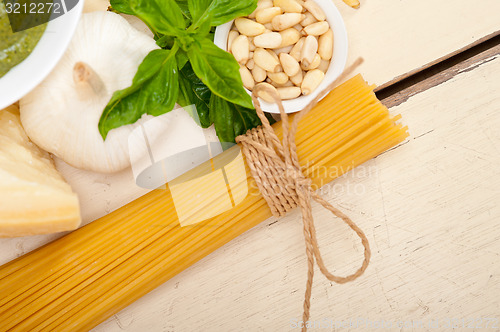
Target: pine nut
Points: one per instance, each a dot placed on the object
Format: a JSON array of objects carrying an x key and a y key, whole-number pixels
[
  {"x": 308, "y": 20},
  {"x": 230, "y": 38},
  {"x": 315, "y": 10},
  {"x": 325, "y": 48},
  {"x": 289, "y": 64},
  {"x": 247, "y": 78},
  {"x": 285, "y": 49},
  {"x": 289, "y": 37},
  {"x": 266, "y": 15},
  {"x": 266, "y": 60},
  {"x": 289, "y": 92},
  {"x": 264, "y": 94},
  {"x": 274, "y": 56},
  {"x": 268, "y": 40},
  {"x": 297, "y": 49},
  {"x": 314, "y": 64},
  {"x": 250, "y": 64},
  {"x": 284, "y": 45},
  {"x": 289, "y": 6},
  {"x": 241, "y": 49},
  {"x": 251, "y": 44},
  {"x": 262, "y": 4},
  {"x": 353, "y": 3},
  {"x": 324, "y": 65},
  {"x": 317, "y": 29},
  {"x": 259, "y": 74},
  {"x": 297, "y": 78},
  {"x": 298, "y": 27},
  {"x": 248, "y": 27},
  {"x": 287, "y": 20},
  {"x": 309, "y": 50},
  {"x": 278, "y": 78},
  {"x": 287, "y": 84},
  {"x": 311, "y": 81}
]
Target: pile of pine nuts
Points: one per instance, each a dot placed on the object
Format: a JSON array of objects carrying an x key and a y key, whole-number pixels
[{"x": 284, "y": 44}]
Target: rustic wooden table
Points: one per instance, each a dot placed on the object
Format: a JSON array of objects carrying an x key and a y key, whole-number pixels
[{"x": 430, "y": 207}]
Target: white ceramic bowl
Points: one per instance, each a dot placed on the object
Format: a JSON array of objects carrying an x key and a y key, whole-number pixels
[
  {"x": 28, "y": 74},
  {"x": 337, "y": 64}
]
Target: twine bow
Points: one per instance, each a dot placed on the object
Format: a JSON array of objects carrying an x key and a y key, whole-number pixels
[{"x": 275, "y": 167}]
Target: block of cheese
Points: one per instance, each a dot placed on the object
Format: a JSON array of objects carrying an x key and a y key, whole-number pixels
[{"x": 34, "y": 197}]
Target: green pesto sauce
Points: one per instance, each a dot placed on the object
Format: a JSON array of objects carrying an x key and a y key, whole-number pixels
[{"x": 15, "y": 47}]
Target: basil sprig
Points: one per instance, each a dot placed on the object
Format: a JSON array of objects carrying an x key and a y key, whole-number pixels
[{"x": 189, "y": 69}]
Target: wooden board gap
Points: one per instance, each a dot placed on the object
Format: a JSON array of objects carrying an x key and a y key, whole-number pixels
[{"x": 438, "y": 73}]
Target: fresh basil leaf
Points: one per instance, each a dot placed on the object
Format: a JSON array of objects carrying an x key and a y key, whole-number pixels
[
  {"x": 224, "y": 11},
  {"x": 197, "y": 8},
  {"x": 147, "y": 69},
  {"x": 122, "y": 6},
  {"x": 183, "y": 5},
  {"x": 166, "y": 41},
  {"x": 154, "y": 91},
  {"x": 164, "y": 16},
  {"x": 203, "y": 29},
  {"x": 163, "y": 89},
  {"x": 222, "y": 117},
  {"x": 211, "y": 34},
  {"x": 182, "y": 59},
  {"x": 270, "y": 118},
  {"x": 245, "y": 119},
  {"x": 192, "y": 91},
  {"x": 221, "y": 11},
  {"x": 219, "y": 71},
  {"x": 231, "y": 120},
  {"x": 185, "y": 41}
]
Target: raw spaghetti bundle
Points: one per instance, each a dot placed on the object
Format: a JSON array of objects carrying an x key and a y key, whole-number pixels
[
  {"x": 274, "y": 165},
  {"x": 78, "y": 281}
]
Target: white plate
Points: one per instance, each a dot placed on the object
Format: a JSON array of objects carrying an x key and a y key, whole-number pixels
[
  {"x": 28, "y": 74},
  {"x": 339, "y": 59}
]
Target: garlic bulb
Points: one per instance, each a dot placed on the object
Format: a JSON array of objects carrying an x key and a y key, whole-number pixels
[
  {"x": 61, "y": 115},
  {"x": 103, "y": 5},
  {"x": 95, "y": 5},
  {"x": 138, "y": 24}
]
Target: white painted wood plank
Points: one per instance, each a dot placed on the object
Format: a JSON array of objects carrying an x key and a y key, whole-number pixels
[
  {"x": 395, "y": 37},
  {"x": 430, "y": 209},
  {"x": 398, "y": 37}
]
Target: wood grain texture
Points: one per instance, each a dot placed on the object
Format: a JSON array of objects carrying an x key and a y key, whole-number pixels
[
  {"x": 398, "y": 38},
  {"x": 429, "y": 259},
  {"x": 440, "y": 77},
  {"x": 430, "y": 208}
]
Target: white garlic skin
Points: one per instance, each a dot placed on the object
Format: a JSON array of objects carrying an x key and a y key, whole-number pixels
[{"x": 62, "y": 118}]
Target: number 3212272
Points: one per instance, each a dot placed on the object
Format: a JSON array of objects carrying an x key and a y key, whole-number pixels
[{"x": 32, "y": 8}]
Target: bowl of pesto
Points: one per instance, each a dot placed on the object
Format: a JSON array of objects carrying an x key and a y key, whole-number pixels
[{"x": 28, "y": 56}]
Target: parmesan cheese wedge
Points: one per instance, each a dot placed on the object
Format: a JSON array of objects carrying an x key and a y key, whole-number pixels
[{"x": 34, "y": 197}]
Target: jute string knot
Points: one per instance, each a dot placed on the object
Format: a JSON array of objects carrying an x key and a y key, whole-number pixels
[{"x": 275, "y": 166}]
